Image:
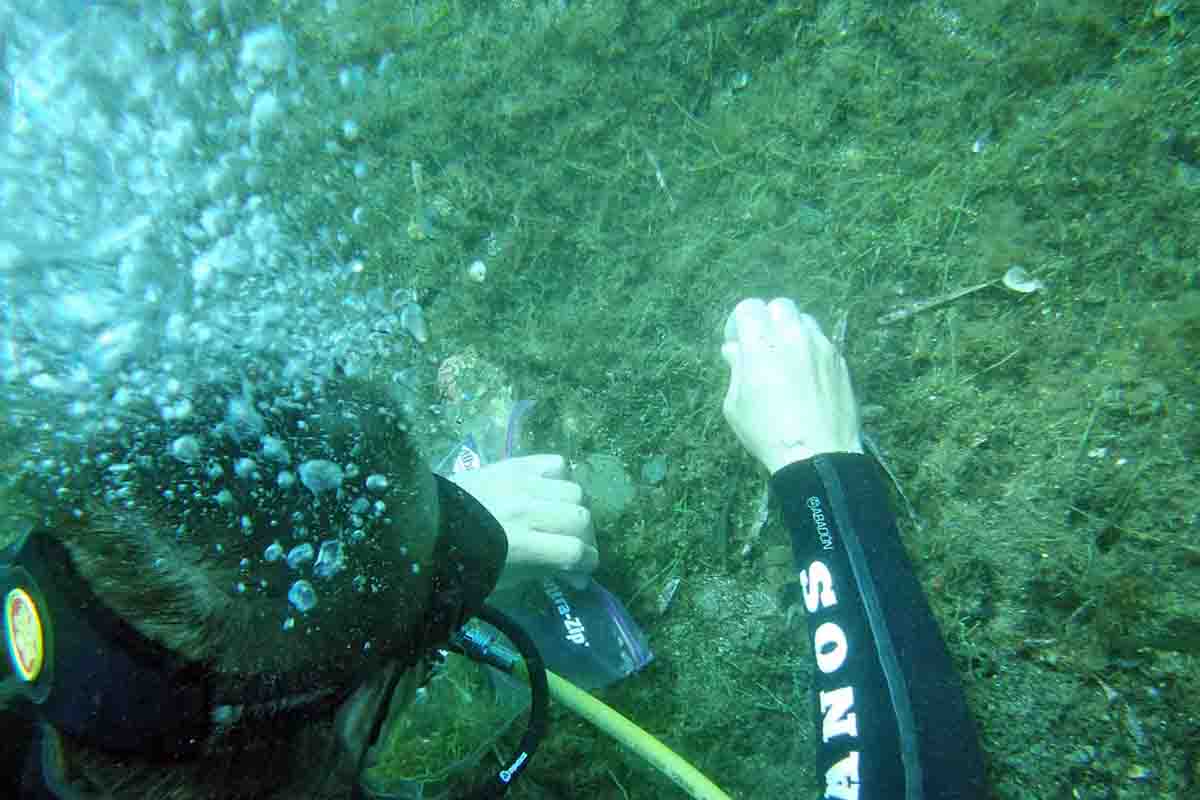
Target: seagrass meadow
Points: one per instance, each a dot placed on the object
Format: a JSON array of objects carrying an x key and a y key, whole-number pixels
[{"x": 627, "y": 171}]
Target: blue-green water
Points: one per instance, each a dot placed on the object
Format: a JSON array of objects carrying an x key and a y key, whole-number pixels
[{"x": 199, "y": 192}]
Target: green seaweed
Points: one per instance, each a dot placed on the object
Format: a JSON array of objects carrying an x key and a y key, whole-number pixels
[
  {"x": 639, "y": 167},
  {"x": 645, "y": 166}
]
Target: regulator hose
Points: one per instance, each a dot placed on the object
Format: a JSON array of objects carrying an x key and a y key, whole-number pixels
[
  {"x": 543, "y": 684},
  {"x": 535, "y": 672}
]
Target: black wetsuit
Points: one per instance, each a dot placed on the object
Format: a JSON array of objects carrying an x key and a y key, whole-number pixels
[{"x": 891, "y": 719}]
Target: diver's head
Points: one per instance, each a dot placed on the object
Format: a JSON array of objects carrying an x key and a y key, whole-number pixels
[
  {"x": 284, "y": 545},
  {"x": 299, "y": 526}
]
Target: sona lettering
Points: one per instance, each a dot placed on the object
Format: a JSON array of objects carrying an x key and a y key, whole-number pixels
[{"x": 830, "y": 648}]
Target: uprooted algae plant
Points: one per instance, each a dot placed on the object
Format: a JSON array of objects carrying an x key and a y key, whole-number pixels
[{"x": 573, "y": 195}]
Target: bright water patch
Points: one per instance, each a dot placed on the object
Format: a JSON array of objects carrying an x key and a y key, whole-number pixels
[
  {"x": 143, "y": 246},
  {"x": 146, "y": 257}
]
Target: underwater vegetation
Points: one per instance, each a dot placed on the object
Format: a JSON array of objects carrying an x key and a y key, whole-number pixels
[
  {"x": 638, "y": 168},
  {"x": 625, "y": 172}
]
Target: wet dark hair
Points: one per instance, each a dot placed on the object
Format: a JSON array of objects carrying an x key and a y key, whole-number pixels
[{"x": 181, "y": 520}]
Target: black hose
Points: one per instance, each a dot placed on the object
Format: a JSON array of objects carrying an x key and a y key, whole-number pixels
[{"x": 539, "y": 707}]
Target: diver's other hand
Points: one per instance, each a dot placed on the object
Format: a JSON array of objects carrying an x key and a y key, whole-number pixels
[
  {"x": 548, "y": 528},
  {"x": 789, "y": 392}
]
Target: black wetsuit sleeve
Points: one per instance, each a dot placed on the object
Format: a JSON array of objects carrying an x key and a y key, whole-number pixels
[
  {"x": 14, "y": 753},
  {"x": 891, "y": 719}
]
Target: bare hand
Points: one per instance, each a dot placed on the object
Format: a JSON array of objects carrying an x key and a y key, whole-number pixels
[
  {"x": 789, "y": 392},
  {"x": 547, "y": 526}
]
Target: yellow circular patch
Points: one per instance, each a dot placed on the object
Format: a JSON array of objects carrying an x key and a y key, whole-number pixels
[{"x": 23, "y": 633}]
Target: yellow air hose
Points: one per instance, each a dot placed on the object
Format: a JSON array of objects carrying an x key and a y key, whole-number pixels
[{"x": 616, "y": 725}]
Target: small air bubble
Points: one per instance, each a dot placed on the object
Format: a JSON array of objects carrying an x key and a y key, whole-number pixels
[
  {"x": 331, "y": 560},
  {"x": 300, "y": 555},
  {"x": 186, "y": 449},
  {"x": 302, "y": 596},
  {"x": 274, "y": 450},
  {"x": 320, "y": 475}
]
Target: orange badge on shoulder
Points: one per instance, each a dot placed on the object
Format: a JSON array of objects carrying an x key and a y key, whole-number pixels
[{"x": 23, "y": 634}]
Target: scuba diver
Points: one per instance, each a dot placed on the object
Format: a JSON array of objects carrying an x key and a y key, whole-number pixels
[
  {"x": 231, "y": 597},
  {"x": 173, "y": 632}
]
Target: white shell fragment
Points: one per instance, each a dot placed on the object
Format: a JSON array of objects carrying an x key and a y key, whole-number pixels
[
  {"x": 412, "y": 319},
  {"x": 1021, "y": 281},
  {"x": 666, "y": 596},
  {"x": 477, "y": 272}
]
